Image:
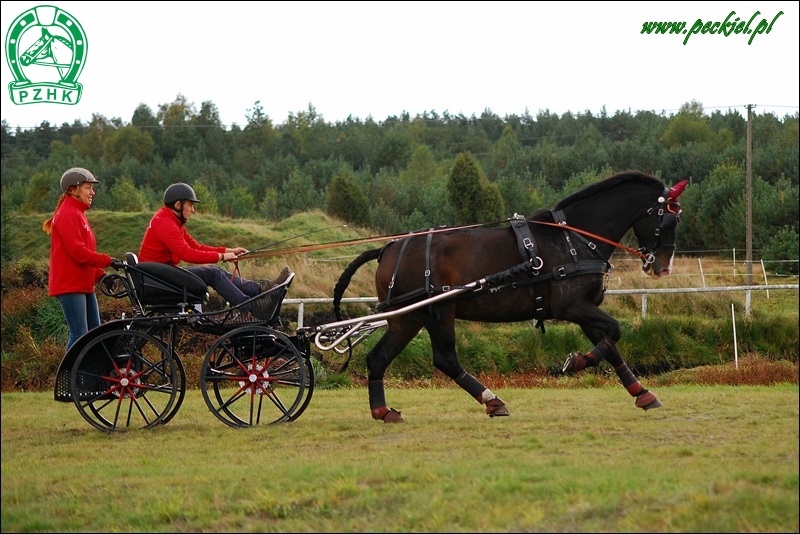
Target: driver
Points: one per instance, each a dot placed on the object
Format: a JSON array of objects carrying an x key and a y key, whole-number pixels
[{"x": 166, "y": 240}]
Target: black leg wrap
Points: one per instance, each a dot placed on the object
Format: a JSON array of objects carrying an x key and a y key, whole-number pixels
[
  {"x": 469, "y": 384},
  {"x": 377, "y": 399}
]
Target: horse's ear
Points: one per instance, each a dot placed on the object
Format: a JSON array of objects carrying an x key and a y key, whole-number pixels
[{"x": 676, "y": 190}]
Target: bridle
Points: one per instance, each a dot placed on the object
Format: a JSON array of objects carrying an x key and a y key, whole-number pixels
[{"x": 668, "y": 210}]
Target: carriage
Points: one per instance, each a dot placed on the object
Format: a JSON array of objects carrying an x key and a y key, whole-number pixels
[
  {"x": 126, "y": 373},
  {"x": 549, "y": 266}
]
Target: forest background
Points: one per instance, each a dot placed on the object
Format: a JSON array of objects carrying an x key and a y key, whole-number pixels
[{"x": 392, "y": 176}]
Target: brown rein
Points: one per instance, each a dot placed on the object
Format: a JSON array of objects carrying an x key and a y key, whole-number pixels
[
  {"x": 332, "y": 244},
  {"x": 595, "y": 236}
]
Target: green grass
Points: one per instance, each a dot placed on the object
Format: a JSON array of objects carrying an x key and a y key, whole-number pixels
[{"x": 712, "y": 459}]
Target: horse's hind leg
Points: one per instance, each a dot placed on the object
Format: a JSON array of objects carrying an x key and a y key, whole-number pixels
[{"x": 445, "y": 359}]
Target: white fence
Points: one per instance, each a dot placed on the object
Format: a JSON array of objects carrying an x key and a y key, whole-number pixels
[{"x": 643, "y": 292}]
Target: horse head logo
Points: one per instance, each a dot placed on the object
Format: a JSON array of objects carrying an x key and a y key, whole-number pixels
[{"x": 46, "y": 51}]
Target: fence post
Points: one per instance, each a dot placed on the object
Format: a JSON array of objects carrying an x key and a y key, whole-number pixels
[
  {"x": 764, "y": 271},
  {"x": 300, "y": 308},
  {"x": 644, "y": 305},
  {"x": 735, "y": 345},
  {"x": 702, "y": 275}
]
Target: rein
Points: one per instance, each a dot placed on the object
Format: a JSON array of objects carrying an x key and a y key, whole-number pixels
[
  {"x": 595, "y": 236},
  {"x": 332, "y": 244}
]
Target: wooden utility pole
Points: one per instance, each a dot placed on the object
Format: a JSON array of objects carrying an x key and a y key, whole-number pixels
[{"x": 749, "y": 193}]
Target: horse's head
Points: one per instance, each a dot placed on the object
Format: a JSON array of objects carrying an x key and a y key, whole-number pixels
[{"x": 655, "y": 232}]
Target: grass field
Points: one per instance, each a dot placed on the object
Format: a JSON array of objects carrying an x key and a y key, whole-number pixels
[{"x": 712, "y": 459}]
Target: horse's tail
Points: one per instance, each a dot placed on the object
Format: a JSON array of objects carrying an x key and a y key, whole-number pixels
[
  {"x": 347, "y": 275},
  {"x": 341, "y": 285}
]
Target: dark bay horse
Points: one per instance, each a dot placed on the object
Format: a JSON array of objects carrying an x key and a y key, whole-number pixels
[{"x": 551, "y": 265}]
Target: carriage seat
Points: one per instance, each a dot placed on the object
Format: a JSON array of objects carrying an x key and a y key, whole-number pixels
[{"x": 160, "y": 284}]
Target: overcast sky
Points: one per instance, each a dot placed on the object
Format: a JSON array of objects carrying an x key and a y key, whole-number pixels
[{"x": 381, "y": 59}]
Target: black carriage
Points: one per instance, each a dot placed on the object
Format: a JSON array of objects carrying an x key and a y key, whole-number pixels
[{"x": 127, "y": 374}]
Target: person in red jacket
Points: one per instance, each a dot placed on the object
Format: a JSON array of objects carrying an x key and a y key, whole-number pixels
[
  {"x": 166, "y": 240},
  {"x": 75, "y": 264}
]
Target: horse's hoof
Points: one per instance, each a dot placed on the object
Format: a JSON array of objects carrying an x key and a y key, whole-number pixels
[
  {"x": 574, "y": 363},
  {"x": 496, "y": 408},
  {"x": 647, "y": 401},
  {"x": 393, "y": 416}
]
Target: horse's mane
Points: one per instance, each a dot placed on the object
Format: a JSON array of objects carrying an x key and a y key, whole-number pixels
[{"x": 609, "y": 183}]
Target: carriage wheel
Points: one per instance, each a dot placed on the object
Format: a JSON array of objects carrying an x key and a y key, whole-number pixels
[
  {"x": 253, "y": 376},
  {"x": 125, "y": 379},
  {"x": 181, "y": 389},
  {"x": 308, "y": 390}
]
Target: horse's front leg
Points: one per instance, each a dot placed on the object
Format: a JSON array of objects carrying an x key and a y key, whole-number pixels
[
  {"x": 604, "y": 331},
  {"x": 445, "y": 359},
  {"x": 398, "y": 335}
]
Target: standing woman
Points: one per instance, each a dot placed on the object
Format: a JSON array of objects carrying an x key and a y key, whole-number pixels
[{"x": 75, "y": 265}]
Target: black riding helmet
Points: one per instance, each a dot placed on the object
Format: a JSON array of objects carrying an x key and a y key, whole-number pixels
[{"x": 179, "y": 191}]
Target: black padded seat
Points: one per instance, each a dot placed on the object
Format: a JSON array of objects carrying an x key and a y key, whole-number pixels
[{"x": 159, "y": 284}]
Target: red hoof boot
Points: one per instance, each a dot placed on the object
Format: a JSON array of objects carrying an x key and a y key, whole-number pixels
[
  {"x": 393, "y": 416},
  {"x": 575, "y": 363},
  {"x": 496, "y": 408},
  {"x": 387, "y": 415},
  {"x": 646, "y": 400}
]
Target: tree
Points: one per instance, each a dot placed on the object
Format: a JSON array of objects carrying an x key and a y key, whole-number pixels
[
  {"x": 472, "y": 197},
  {"x": 90, "y": 144},
  {"x": 503, "y": 153},
  {"x": 128, "y": 141},
  {"x": 299, "y": 195},
  {"x": 346, "y": 201},
  {"x": 126, "y": 197},
  {"x": 782, "y": 252},
  {"x": 237, "y": 203},
  {"x": 688, "y": 126},
  {"x": 38, "y": 197}
]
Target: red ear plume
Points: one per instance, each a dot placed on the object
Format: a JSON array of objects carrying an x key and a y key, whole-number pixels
[{"x": 676, "y": 190}]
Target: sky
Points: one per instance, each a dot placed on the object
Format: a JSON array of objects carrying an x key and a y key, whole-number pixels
[{"x": 378, "y": 60}]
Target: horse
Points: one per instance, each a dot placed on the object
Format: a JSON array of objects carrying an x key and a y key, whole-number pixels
[{"x": 550, "y": 266}]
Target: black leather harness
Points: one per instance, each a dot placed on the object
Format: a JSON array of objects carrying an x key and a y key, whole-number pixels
[{"x": 532, "y": 266}]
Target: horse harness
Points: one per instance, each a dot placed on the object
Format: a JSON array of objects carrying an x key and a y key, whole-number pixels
[
  {"x": 666, "y": 208},
  {"x": 532, "y": 265}
]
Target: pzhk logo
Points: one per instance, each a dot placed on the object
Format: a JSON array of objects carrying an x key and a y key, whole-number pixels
[{"x": 46, "y": 52}]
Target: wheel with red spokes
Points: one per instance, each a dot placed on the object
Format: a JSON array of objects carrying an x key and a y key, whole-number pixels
[
  {"x": 124, "y": 380},
  {"x": 253, "y": 375}
]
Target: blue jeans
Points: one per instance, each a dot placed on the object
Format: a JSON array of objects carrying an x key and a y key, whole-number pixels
[
  {"x": 81, "y": 312},
  {"x": 233, "y": 289}
]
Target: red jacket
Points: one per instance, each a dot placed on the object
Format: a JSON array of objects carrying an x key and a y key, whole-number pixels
[
  {"x": 75, "y": 266},
  {"x": 167, "y": 241}
]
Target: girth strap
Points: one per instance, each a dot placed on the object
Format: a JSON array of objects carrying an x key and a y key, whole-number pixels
[
  {"x": 397, "y": 266},
  {"x": 527, "y": 247},
  {"x": 526, "y": 243},
  {"x": 428, "y": 263}
]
